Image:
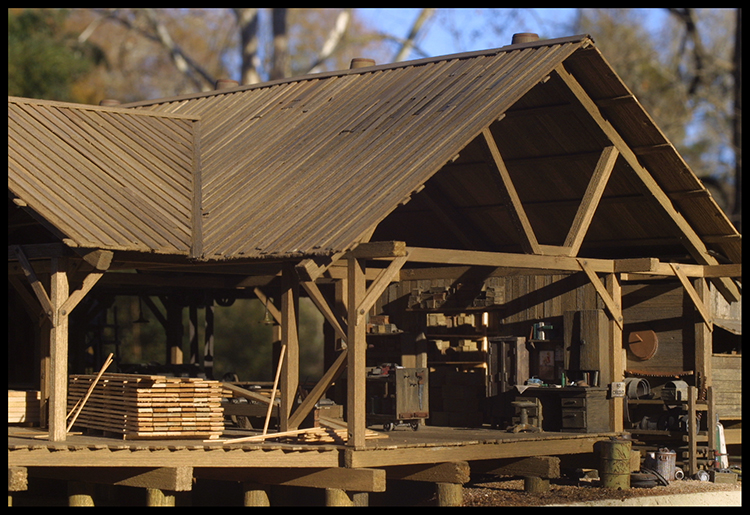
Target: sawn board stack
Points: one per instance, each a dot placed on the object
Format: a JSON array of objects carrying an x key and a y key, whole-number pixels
[
  {"x": 23, "y": 407},
  {"x": 145, "y": 406}
]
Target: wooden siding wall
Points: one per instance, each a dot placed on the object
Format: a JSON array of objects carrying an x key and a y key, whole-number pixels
[
  {"x": 663, "y": 307},
  {"x": 727, "y": 369},
  {"x": 525, "y": 299}
]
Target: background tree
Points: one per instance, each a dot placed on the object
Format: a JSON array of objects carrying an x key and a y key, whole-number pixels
[
  {"x": 686, "y": 72},
  {"x": 44, "y": 60}
]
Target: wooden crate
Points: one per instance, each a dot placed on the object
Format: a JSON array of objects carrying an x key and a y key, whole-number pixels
[{"x": 142, "y": 406}]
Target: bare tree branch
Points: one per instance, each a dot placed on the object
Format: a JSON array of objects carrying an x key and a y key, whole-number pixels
[
  {"x": 333, "y": 39},
  {"x": 687, "y": 16},
  {"x": 282, "y": 66},
  {"x": 424, "y": 15},
  {"x": 737, "y": 123},
  {"x": 184, "y": 63},
  {"x": 175, "y": 52},
  {"x": 247, "y": 19}
]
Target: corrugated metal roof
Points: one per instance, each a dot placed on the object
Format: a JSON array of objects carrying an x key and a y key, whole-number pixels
[
  {"x": 105, "y": 178},
  {"x": 308, "y": 165}
]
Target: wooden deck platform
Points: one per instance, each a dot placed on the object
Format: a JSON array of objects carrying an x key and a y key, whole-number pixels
[
  {"x": 442, "y": 455},
  {"x": 402, "y": 446}
]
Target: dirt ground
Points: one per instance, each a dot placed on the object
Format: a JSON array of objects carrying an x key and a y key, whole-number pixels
[{"x": 494, "y": 492}]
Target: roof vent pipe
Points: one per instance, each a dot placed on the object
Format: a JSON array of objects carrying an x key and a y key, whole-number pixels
[
  {"x": 524, "y": 37},
  {"x": 361, "y": 62},
  {"x": 109, "y": 102},
  {"x": 226, "y": 84}
]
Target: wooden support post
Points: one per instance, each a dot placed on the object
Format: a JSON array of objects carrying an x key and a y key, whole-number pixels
[
  {"x": 157, "y": 497},
  {"x": 703, "y": 335},
  {"x": 535, "y": 485},
  {"x": 618, "y": 359},
  {"x": 174, "y": 330},
  {"x": 289, "y": 339},
  {"x": 58, "y": 351},
  {"x": 692, "y": 431},
  {"x": 208, "y": 345},
  {"x": 338, "y": 497},
  {"x": 357, "y": 347},
  {"x": 255, "y": 494},
  {"x": 193, "y": 335},
  {"x": 713, "y": 448},
  {"x": 80, "y": 493},
  {"x": 449, "y": 494}
]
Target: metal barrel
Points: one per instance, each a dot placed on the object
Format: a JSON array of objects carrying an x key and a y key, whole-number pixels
[
  {"x": 614, "y": 471},
  {"x": 666, "y": 463}
]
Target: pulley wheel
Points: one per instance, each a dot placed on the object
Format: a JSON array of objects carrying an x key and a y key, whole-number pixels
[{"x": 643, "y": 344}]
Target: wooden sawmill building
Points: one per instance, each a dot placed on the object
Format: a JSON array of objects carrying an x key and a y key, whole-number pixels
[{"x": 522, "y": 188}]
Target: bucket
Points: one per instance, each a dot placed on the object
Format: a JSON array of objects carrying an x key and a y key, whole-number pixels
[
  {"x": 614, "y": 469},
  {"x": 665, "y": 463}
]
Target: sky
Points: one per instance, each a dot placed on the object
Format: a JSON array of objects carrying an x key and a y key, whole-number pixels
[
  {"x": 473, "y": 23},
  {"x": 476, "y": 26}
]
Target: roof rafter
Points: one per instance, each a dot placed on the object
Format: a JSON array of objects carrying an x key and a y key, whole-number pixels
[
  {"x": 687, "y": 235},
  {"x": 528, "y": 241}
]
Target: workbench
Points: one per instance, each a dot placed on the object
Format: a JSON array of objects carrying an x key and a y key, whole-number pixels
[{"x": 574, "y": 409}]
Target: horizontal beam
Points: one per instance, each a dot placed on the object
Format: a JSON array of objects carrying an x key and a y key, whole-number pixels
[
  {"x": 378, "y": 249},
  {"x": 651, "y": 266},
  {"x": 506, "y": 260},
  {"x": 354, "y": 480},
  {"x": 495, "y": 449},
  {"x": 178, "y": 479},
  {"x": 456, "y": 472},
  {"x": 538, "y": 466}
]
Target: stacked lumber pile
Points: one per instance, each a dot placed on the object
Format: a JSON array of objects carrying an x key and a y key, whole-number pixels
[
  {"x": 146, "y": 406},
  {"x": 23, "y": 407}
]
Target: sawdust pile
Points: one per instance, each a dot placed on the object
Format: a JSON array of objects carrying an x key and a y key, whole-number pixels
[{"x": 509, "y": 492}]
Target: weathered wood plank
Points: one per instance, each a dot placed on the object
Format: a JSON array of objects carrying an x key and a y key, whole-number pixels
[
  {"x": 613, "y": 306},
  {"x": 694, "y": 296},
  {"x": 357, "y": 347},
  {"x": 179, "y": 479},
  {"x": 591, "y": 199},
  {"x": 358, "y": 480},
  {"x": 539, "y": 466},
  {"x": 452, "y": 472},
  {"x": 517, "y": 212},
  {"x": 505, "y": 260}
]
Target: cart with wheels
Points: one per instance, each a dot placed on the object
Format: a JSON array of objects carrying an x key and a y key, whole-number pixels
[{"x": 397, "y": 396}]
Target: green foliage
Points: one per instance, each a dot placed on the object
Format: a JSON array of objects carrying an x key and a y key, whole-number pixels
[
  {"x": 243, "y": 344},
  {"x": 43, "y": 60}
]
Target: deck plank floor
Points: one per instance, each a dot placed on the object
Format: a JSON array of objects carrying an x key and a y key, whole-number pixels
[{"x": 402, "y": 446}]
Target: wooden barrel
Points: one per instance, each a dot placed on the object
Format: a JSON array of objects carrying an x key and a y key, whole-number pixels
[{"x": 614, "y": 471}]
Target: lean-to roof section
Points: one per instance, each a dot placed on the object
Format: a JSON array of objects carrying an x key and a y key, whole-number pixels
[
  {"x": 309, "y": 165},
  {"x": 105, "y": 178}
]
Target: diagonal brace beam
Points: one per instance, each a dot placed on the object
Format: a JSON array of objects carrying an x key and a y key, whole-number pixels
[
  {"x": 529, "y": 242},
  {"x": 379, "y": 285},
  {"x": 333, "y": 372},
  {"x": 319, "y": 300},
  {"x": 612, "y": 306},
  {"x": 687, "y": 235},
  {"x": 694, "y": 296},
  {"x": 591, "y": 199}
]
